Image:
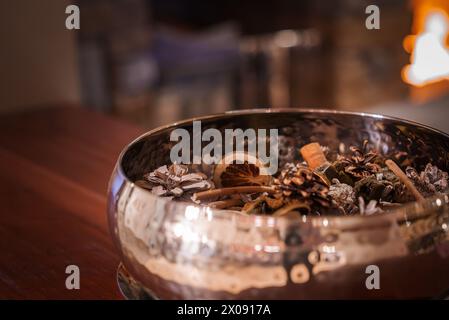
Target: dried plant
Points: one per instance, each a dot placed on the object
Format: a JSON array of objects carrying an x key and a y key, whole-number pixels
[
  {"x": 175, "y": 181},
  {"x": 430, "y": 181},
  {"x": 246, "y": 174},
  {"x": 362, "y": 182},
  {"x": 360, "y": 164},
  {"x": 298, "y": 182},
  {"x": 344, "y": 197}
]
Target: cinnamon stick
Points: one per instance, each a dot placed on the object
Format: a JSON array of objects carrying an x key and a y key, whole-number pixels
[
  {"x": 231, "y": 190},
  {"x": 313, "y": 155},
  {"x": 404, "y": 179}
]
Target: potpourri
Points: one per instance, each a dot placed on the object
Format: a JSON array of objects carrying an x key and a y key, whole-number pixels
[{"x": 361, "y": 181}]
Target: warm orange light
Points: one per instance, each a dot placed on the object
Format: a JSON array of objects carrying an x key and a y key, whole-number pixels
[{"x": 429, "y": 52}]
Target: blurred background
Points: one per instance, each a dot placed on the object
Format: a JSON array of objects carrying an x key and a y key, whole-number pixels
[{"x": 153, "y": 62}]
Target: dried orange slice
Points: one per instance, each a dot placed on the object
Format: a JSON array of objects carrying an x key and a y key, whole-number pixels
[{"x": 231, "y": 172}]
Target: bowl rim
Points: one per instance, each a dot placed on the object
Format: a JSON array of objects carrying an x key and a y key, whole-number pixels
[{"x": 399, "y": 213}]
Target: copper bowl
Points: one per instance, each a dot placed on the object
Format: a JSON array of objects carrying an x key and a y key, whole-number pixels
[{"x": 179, "y": 250}]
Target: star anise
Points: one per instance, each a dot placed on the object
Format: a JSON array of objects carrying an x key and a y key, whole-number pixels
[
  {"x": 299, "y": 182},
  {"x": 175, "y": 181},
  {"x": 360, "y": 164}
]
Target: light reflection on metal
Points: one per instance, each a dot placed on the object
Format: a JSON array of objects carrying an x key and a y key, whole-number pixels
[{"x": 192, "y": 213}]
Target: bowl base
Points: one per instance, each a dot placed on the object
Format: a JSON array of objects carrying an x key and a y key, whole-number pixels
[{"x": 129, "y": 287}]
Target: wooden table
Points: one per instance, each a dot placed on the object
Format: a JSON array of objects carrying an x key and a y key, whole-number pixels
[{"x": 54, "y": 170}]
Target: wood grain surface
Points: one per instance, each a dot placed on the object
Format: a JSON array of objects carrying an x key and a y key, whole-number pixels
[{"x": 55, "y": 165}]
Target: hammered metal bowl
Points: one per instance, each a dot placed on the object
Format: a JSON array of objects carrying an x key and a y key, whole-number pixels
[{"x": 178, "y": 250}]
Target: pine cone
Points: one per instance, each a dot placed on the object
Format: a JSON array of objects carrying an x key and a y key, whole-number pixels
[
  {"x": 175, "y": 181},
  {"x": 360, "y": 164},
  {"x": 298, "y": 182},
  {"x": 344, "y": 197},
  {"x": 430, "y": 181}
]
